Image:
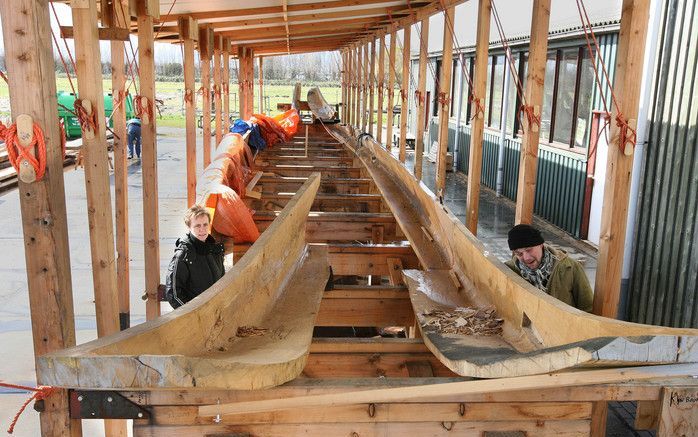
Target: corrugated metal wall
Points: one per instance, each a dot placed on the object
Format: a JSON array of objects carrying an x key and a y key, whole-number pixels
[
  {"x": 663, "y": 283},
  {"x": 560, "y": 175}
]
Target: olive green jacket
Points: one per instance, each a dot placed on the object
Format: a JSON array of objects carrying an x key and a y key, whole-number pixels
[{"x": 567, "y": 282}]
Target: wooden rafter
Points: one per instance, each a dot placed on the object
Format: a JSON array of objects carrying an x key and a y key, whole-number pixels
[{"x": 319, "y": 6}]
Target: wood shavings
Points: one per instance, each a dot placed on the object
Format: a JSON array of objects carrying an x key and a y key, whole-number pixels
[
  {"x": 250, "y": 331},
  {"x": 464, "y": 321}
]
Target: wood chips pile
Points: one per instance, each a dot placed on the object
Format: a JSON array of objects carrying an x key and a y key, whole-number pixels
[
  {"x": 250, "y": 331},
  {"x": 465, "y": 321}
]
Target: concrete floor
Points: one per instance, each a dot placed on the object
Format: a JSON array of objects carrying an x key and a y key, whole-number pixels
[{"x": 496, "y": 217}]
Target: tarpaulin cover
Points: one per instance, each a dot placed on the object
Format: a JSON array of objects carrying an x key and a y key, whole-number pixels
[
  {"x": 279, "y": 128},
  {"x": 255, "y": 139},
  {"x": 224, "y": 182}
]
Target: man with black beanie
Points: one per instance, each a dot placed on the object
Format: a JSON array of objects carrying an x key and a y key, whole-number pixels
[{"x": 549, "y": 269}]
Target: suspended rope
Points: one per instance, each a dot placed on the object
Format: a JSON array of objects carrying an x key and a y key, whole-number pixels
[
  {"x": 4, "y": 77},
  {"x": 40, "y": 393},
  {"x": 627, "y": 134},
  {"x": 531, "y": 117},
  {"x": 88, "y": 121}
]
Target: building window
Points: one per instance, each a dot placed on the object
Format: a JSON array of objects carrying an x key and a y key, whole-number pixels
[
  {"x": 437, "y": 89},
  {"x": 497, "y": 91}
]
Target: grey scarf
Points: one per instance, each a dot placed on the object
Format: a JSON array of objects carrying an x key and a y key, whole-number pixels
[{"x": 539, "y": 277}]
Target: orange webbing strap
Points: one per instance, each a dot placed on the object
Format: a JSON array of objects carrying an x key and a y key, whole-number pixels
[
  {"x": 40, "y": 393},
  {"x": 139, "y": 109},
  {"x": 87, "y": 121},
  {"x": 18, "y": 153},
  {"x": 189, "y": 96}
]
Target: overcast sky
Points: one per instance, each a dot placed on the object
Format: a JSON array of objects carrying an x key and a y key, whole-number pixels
[{"x": 163, "y": 52}]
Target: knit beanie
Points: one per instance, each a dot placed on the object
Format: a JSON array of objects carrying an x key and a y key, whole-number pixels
[{"x": 524, "y": 236}]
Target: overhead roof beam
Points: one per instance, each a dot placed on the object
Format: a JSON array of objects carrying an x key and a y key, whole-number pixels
[{"x": 320, "y": 6}]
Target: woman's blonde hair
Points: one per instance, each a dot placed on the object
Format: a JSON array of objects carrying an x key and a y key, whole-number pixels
[{"x": 196, "y": 211}]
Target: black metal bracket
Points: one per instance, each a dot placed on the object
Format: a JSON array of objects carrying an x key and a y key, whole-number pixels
[{"x": 86, "y": 404}]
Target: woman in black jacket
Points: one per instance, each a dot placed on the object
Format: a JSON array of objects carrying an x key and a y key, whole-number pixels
[{"x": 197, "y": 262}]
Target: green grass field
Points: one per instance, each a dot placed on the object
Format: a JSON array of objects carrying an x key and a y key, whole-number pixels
[{"x": 171, "y": 93}]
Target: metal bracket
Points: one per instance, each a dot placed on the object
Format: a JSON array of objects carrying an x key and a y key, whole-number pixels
[{"x": 104, "y": 405}]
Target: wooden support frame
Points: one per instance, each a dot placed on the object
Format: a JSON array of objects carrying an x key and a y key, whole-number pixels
[
  {"x": 356, "y": 120},
  {"x": 226, "y": 85},
  {"x": 405, "y": 90},
  {"x": 421, "y": 98},
  {"x": 478, "y": 120},
  {"x": 631, "y": 46},
  {"x": 343, "y": 72},
  {"x": 99, "y": 207},
  {"x": 444, "y": 98},
  {"x": 535, "y": 80},
  {"x": 26, "y": 27},
  {"x": 149, "y": 164},
  {"x": 261, "y": 84},
  {"x": 206, "y": 52},
  {"x": 372, "y": 86},
  {"x": 381, "y": 88},
  {"x": 96, "y": 171},
  {"x": 360, "y": 87},
  {"x": 121, "y": 18},
  {"x": 365, "y": 86},
  {"x": 391, "y": 90},
  {"x": 188, "y": 31},
  {"x": 217, "y": 91}
]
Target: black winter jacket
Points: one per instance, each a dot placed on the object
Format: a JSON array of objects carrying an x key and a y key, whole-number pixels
[{"x": 195, "y": 266}]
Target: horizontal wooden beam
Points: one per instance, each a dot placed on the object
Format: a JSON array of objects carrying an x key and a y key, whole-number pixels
[
  {"x": 319, "y": 6},
  {"x": 402, "y": 394},
  {"x": 323, "y": 202},
  {"x": 538, "y": 428},
  {"x": 366, "y": 307},
  {"x": 320, "y": 229},
  {"x": 272, "y": 184},
  {"x": 394, "y": 412},
  {"x": 354, "y": 259},
  {"x": 298, "y": 29},
  {"x": 105, "y": 33}
]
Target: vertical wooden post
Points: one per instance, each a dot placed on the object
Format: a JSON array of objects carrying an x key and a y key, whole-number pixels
[
  {"x": 631, "y": 46},
  {"x": 366, "y": 85},
  {"x": 99, "y": 209},
  {"x": 404, "y": 90},
  {"x": 188, "y": 30},
  {"x": 118, "y": 16},
  {"x": 360, "y": 87},
  {"x": 478, "y": 121},
  {"x": 445, "y": 100},
  {"x": 250, "y": 83},
  {"x": 350, "y": 86},
  {"x": 343, "y": 75},
  {"x": 421, "y": 100},
  {"x": 381, "y": 88},
  {"x": 355, "y": 86},
  {"x": 30, "y": 69},
  {"x": 89, "y": 75},
  {"x": 261, "y": 84},
  {"x": 391, "y": 90},
  {"x": 372, "y": 86},
  {"x": 218, "y": 103},
  {"x": 226, "y": 85},
  {"x": 241, "y": 82},
  {"x": 205, "y": 52},
  {"x": 526, "y": 191},
  {"x": 151, "y": 230}
]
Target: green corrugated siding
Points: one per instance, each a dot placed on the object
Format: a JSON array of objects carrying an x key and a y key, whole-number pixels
[
  {"x": 560, "y": 176},
  {"x": 664, "y": 277}
]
